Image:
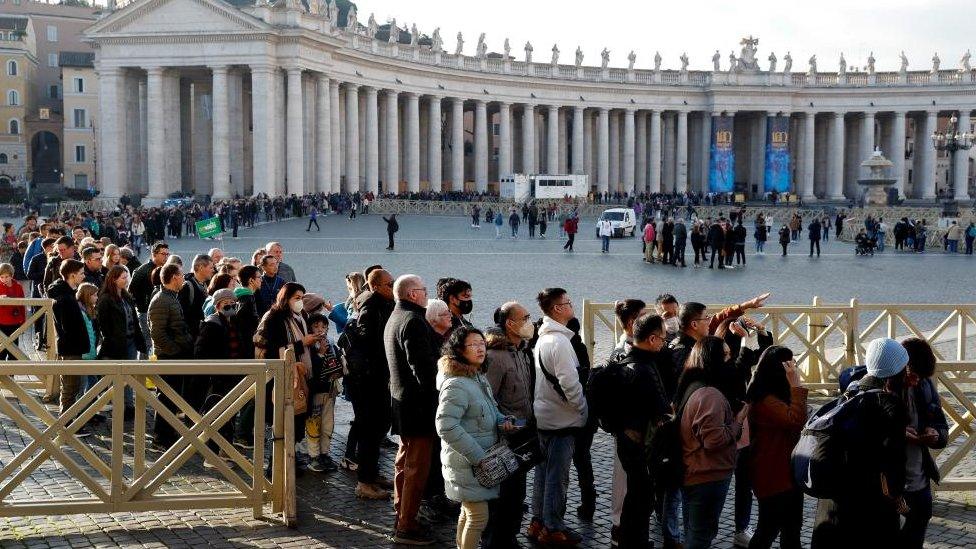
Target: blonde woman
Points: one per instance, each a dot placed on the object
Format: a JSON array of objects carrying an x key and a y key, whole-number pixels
[{"x": 112, "y": 256}]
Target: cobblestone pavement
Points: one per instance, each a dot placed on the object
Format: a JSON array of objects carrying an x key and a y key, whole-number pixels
[{"x": 329, "y": 513}]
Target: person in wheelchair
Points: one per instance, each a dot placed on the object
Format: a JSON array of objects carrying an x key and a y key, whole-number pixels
[{"x": 863, "y": 244}]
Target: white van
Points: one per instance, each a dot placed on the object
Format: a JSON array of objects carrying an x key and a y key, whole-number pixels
[{"x": 623, "y": 221}]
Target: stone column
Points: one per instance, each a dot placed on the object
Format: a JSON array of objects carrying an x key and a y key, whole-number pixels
[
  {"x": 563, "y": 141},
  {"x": 706, "y": 149},
  {"x": 640, "y": 156},
  {"x": 552, "y": 140},
  {"x": 835, "y": 174},
  {"x": 528, "y": 139},
  {"x": 323, "y": 135},
  {"x": 897, "y": 153},
  {"x": 628, "y": 153},
  {"x": 352, "y": 138},
  {"x": 808, "y": 155},
  {"x": 157, "y": 135},
  {"x": 412, "y": 142},
  {"x": 112, "y": 137},
  {"x": 867, "y": 141},
  {"x": 505, "y": 131},
  {"x": 221, "y": 128},
  {"x": 434, "y": 144},
  {"x": 391, "y": 179},
  {"x": 579, "y": 122},
  {"x": 654, "y": 183},
  {"x": 681, "y": 154},
  {"x": 603, "y": 150},
  {"x": 613, "y": 181},
  {"x": 961, "y": 167},
  {"x": 923, "y": 144},
  {"x": 481, "y": 145},
  {"x": 296, "y": 133},
  {"x": 372, "y": 182},
  {"x": 263, "y": 117},
  {"x": 335, "y": 140},
  {"x": 457, "y": 144}
]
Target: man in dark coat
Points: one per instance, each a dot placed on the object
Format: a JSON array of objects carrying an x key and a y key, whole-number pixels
[
  {"x": 73, "y": 339},
  {"x": 141, "y": 287},
  {"x": 813, "y": 231},
  {"x": 716, "y": 241},
  {"x": 413, "y": 373}
]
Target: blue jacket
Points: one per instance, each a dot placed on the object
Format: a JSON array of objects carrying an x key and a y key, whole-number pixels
[
  {"x": 33, "y": 249},
  {"x": 467, "y": 422}
]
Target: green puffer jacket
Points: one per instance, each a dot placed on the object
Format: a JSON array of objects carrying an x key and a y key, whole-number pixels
[{"x": 467, "y": 422}]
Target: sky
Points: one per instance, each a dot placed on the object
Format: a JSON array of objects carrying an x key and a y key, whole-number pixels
[{"x": 826, "y": 28}]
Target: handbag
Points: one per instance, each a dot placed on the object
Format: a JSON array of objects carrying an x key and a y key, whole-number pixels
[
  {"x": 300, "y": 390},
  {"x": 499, "y": 463}
]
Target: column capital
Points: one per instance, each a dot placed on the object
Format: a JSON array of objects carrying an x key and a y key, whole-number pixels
[
  {"x": 370, "y": 90},
  {"x": 552, "y": 107},
  {"x": 602, "y": 110},
  {"x": 219, "y": 68},
  {"x": 351, "y": 86},
  {"x": 435, "y": 98},
  {"x": 457, "y": 100},
  {"x": 871, "y": 113},
  {"x": 292, "y": 69},
  {"x": 481, "y": 102},
  {"x": 412, "y": 95},
  {"x": 263, "y": 67},
  {"x": 322, "y": 77},
  {"x": 838, "y": 114},
  {"x": 111, "y": 71},
  {"x": 630, "y": 110},
  {"x": 391, "y": 93},
  {"x": 157, "y": 71}
]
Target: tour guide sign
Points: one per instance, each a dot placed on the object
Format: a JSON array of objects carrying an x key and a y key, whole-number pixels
[{"x": 209, "y": 228}]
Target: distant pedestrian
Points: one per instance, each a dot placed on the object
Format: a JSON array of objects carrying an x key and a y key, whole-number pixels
[
  {"x": 813, "y": 231},
  {"x": 784, "y": 238},
  {"x": 513, "y": 223},
  {"x": 392, "y": 226},
  {"x": 313, "y": 216},
  {"x": 606, "y": 231},
  {"x": 570, "y": 226}
]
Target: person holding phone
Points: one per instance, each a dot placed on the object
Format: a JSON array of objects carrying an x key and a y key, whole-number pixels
[{"x": 778, "y": 411}]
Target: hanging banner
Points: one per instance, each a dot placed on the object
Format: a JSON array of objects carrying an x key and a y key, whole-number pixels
[
  {"x": 777, "y": 176},
  {"x": 721, "y": 162}
]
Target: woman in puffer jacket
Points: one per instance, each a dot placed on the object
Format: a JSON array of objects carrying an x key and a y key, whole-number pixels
[{"x": 468, "y": 422}]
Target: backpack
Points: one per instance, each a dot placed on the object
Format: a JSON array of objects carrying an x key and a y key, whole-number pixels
[
  {"x": 350, "y": 347},
  {"x": 665, "y": 453},
  {"x": 604, "y": 388},
  {"x": 821, "y": 461}
]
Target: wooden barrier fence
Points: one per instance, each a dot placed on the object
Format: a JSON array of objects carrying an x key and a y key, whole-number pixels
[{"x": 828, "y": 338}]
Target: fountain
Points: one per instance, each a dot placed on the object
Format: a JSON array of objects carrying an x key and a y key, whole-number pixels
[{"x": 877, "y": 182}]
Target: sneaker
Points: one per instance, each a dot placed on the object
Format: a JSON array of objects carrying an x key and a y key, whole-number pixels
[
  {"x": 413, "y": 537},
  {"x": 370, "y": 491},
  {"x": 563, "y": 538},
  {"x": 348, "y": 464},
  {"x": 85, "y": 431},
  {"x": 316, "y": 464},
  {"x": 742, "y": 538},
  {"x": 535, "y": 528},
  {"x": 328, "y": 465},
  {"x": 245, "y": 444}
]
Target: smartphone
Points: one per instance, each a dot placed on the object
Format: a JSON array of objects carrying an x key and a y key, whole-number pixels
[
  {"x": 742, "y": 324},
  {"x": 519, "y": 423}
]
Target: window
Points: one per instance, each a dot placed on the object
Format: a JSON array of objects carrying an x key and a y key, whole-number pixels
[
  {"x": 3, "y": 158},
  {"x": 81, "y": 180},
  {"x": 13, "y": 98},
  {"x": 52, "y": 33},
  {"x": 79, "y": 153},
  {"x": 14, "y": 127},
  {"x": 79, "y": 84},
  {"x": 54, "y": 92},
  {"x": 496, "y": 129},
  {"x": 11, "y": 68},
  {"x": 80, "y": 118},
  {"x": 52, "y": 60}
]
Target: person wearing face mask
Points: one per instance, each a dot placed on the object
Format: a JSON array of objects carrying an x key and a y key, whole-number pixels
[
  {"x": 326, "y": 372},
  {"x": 509, "y": 371},
  {"x": 221, "y": 339},
  {"x": 457, "y": 294}
]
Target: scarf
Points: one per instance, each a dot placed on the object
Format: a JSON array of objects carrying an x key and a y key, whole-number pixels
[{"x": 298, "y": 329}]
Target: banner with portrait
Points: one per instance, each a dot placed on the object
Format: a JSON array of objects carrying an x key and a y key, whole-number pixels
[
  {"x": 778, "y": 172},
  {"x": 721, "y": 162}
]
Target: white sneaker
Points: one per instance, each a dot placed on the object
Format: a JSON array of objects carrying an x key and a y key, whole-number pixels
[{"x": 742, "y": 538}]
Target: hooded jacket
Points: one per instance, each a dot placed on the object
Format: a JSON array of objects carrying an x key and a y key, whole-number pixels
[
  {"x": 68, "y": 322},
  {"x": 554, "y": 355},
  {"x": 509, "y": 370},
  {"x": 467, "y": 422}
]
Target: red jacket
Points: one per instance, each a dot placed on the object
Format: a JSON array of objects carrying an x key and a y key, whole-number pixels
[
  {"x": 571, "y": 225},
  {"x": 12, "y": 315},
  {"x": 774, "y": 430}
]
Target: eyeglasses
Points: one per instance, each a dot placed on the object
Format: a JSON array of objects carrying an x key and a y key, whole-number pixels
[
  {"x": 570, "y": 303},
  {"x": 480, "y": 344},
  {"x": 702, "y": 318},
  {"x": 417, "y": 289}
]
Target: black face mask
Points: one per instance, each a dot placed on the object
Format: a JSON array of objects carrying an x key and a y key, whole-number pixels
[{"x": 465, "y": 306}]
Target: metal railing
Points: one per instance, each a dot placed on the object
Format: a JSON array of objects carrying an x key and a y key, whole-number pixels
[
  {"x": 129, "y": 480},
  {"x": 827, "y": 338}
]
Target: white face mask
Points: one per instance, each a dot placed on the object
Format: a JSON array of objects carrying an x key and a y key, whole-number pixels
[
  {"x": 527, "y": 330},
  {"x": 297, "y": 306},
  {"x": 672, "y": 325}
]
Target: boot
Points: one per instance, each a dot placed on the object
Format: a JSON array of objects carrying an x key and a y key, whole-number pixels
[{"x": 587, "y": 505}]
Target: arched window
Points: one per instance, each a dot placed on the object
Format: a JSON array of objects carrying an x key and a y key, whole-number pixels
[
  {"x": 12, "y": 68},
  {"x": 3, "y": 158},
  {"x": 13, "y": 98},
  {"x": 14, "y": 127}
]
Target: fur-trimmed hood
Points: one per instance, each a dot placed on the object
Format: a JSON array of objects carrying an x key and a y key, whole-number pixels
[
  {"x": 495, "y": 338},
  {"x": 450, "y": 366}
]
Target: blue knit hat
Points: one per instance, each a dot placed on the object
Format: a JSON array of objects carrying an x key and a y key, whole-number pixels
[{"x": 885, "y": 358}]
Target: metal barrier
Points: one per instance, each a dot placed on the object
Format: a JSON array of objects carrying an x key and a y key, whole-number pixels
[
  {"x": 129, "y": 481},
  {"x": 829, "y": 338}
]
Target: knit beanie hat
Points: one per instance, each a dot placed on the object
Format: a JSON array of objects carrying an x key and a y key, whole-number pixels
[
  {"x": 885, "y": 358},
  {"x": 222, "y": 294},
  {"x": 312, "y": 303}
]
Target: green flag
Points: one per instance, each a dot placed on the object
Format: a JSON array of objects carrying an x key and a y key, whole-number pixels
[{"x": 209, "y": 228}]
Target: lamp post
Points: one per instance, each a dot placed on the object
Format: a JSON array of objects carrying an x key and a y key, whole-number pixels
[{"x": 952, "y": 141}]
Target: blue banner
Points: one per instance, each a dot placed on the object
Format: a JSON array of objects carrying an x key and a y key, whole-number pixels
[
  {"x": 721, "y": 162},
  {"x": 777, "y": 176}
]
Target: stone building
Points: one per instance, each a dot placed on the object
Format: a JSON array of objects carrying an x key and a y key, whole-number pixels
[
  {"x": 80, "y": 101},
  {"x": 241, "y": 98},
  {"x": 18, "y": 62}
]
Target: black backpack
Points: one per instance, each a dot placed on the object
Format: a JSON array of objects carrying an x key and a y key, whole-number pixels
[
  {"x": 606, "y": 385},
  {"x": 351, "y": 354},
  {"x": 665, "y": 454}
]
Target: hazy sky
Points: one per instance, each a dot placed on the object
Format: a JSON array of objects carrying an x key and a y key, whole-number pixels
[{"x": 699, "y": 27}]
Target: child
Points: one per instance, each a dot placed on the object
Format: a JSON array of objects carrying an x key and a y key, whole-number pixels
[{"x": 326, "y": 372}]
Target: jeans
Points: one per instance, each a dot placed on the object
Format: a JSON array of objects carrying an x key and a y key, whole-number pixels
[
  {"x": 702, "y": 507},
  {"x": 606, "y": 243},
  {"x": 144, "y": 324},
  {"x": 552, "y": 479},
  {"x": 969, "y": 245},
  {"x": 760, "y": 244},
  {"x": 505, "y": 516},
  {"x": 411, "y": 468},
  {"x": 917, "y": 520},
  {"x": 954, "y": 246},
  {"x": 514, "y": 231},
  {"x": 881, "y": 239},
  {"x": 780, "y": 514},
  {"x": 678, "y": 255},
  {"x": 471, "y": 523},
  {"x": 670, "y": 526}
]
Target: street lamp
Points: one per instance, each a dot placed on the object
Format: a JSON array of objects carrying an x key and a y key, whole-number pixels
[{"x": 952, "y": 141}]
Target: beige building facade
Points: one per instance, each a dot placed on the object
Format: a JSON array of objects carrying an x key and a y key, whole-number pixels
[
  {"x": 80, "y": 118},
  {"x": 18, "y": 63}
]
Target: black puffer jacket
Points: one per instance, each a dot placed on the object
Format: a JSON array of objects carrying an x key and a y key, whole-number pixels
[{"x": 374, "y": 314}]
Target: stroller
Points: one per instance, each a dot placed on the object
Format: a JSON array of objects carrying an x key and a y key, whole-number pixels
[{"x": 864, "y": 245}]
